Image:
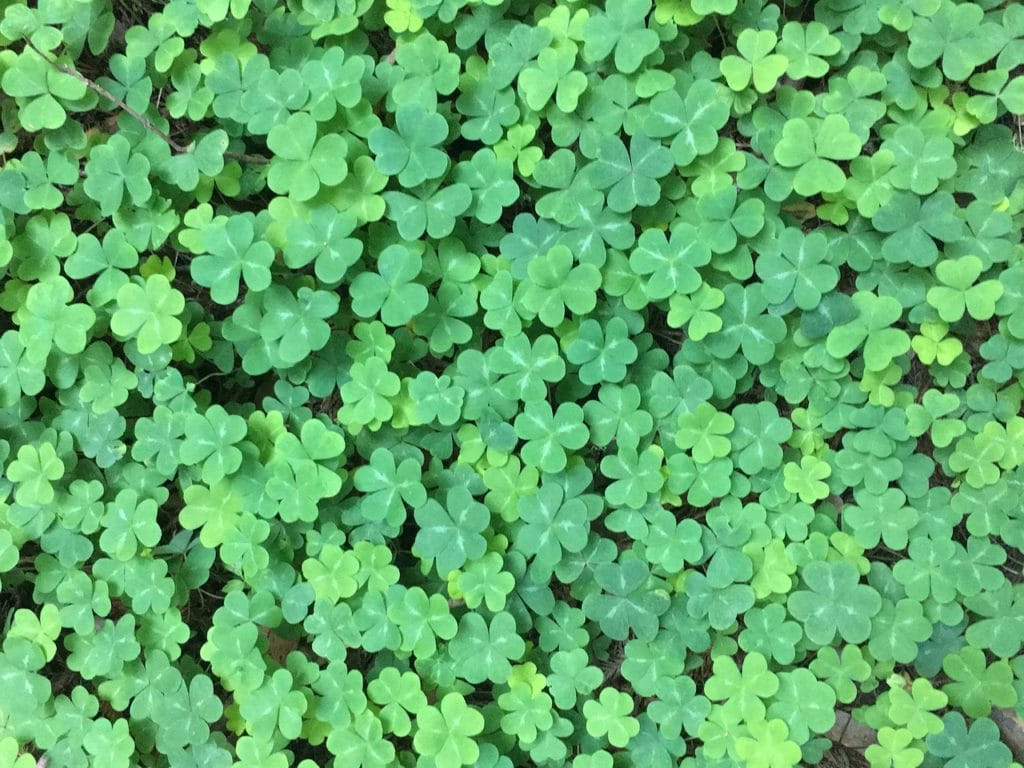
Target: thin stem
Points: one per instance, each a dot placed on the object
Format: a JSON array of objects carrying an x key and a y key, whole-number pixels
[{"x": 145, "y": 121}]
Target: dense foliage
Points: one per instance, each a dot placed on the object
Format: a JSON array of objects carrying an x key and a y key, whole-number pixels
[{"x": 490, "y": 383}]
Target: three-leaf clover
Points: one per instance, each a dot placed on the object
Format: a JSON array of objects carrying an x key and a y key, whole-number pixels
[
  {"x": 233, "y": 252},
  {"x": 812, "y": 146},
  {"x": 622, "y": 29},
  {"x": 391, "y": 290},
  {"x": 445, "y": 733},
  {"x": 114, "y": 172},
  {"x": 756, "y": 63},
  {"x": 148, "y": 313},
  {"x": 302, "y": 163},
  {"x": 836, "y": 602},
  {"x": 611, "y": 715},
  {"x": 411, "y": 153},
  {"x": 959, "y": 290},
  {"x": 452, "y": 534},
  {"x": 33, "y": 472}
]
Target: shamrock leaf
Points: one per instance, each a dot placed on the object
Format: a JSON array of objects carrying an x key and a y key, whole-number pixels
[
  {"x": 232, "y": 252},
  {"x": 893, "y": 749},
  {"x": 811, "y": 146},
  {"x": 483, "y": 651},
  {"x": 148, "y": 313},
  {"x": 977, "y": 686},
  {"x": 323, "y": 239},
  {"x": 743, "y": 690},
  {"x": 549, "y": 434},
  {"x": 703, "y": 432},
  {"x": 806, "y": 48},
  {"x": 48, "y": 319},
  {"x": 451, "y": 534},
  {"x": 693, "y": 120},
  {"x": 622, "y": 29},
  {"x": 959, "y": 290},
  {"x": 303, "y": 163},
  {"x": 873, "y": 329},
  {"x": 399, "y": 695},
  {"x": 768, "y": 746},
  {"x": 38, "y": 87},
  {"x": 611, "y": 716},
  {"x": 603, "y": 353},
  {"x": 367, "y": 395},
  {"x": 33, "y": 472},
  {"x": 962, "y": 747},
  {"x": 920, "y": 161},
  {"x": 554, "y": 285},
  {"x": 210, "y": 440},
  {"x": 113, "y": 171},
  {"x": 834, "y": 603},
  {"x": 957, "y": 35},
  {"x": 410, "y": 153},
  {"x": 445, "y": 733},
  {"x": 630, "y": 177},
  {"x": 391, "y": 290},
  {"x": 798, "y": 270},
  {"x": 626, "y": 602},
  {"x": 756, "y": 63},
  {"x": 670, "y": 264},
  {"x": 551, "y": 524}
]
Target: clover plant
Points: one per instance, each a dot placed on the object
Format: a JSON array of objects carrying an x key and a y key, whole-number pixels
[{"x": 441, "y": 383}]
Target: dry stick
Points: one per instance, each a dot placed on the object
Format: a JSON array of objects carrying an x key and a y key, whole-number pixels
[{"x": 146, "y": 122}]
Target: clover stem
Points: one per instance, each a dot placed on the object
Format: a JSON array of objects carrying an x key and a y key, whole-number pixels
[{"x": 145, "y": 121}]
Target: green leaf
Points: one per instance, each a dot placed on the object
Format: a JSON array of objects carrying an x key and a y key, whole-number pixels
[
  {"x": 113, "y": 174},
  {"x": 148, "y": 313},
  {"x": 445, "y": 733},
  {"x": 834, "y": 603},
  {"x": 451, "y": 534},
  {"x": 303, "y": 163}
]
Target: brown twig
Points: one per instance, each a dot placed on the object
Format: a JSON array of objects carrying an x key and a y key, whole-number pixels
[{"x": 145, "y": 121}]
